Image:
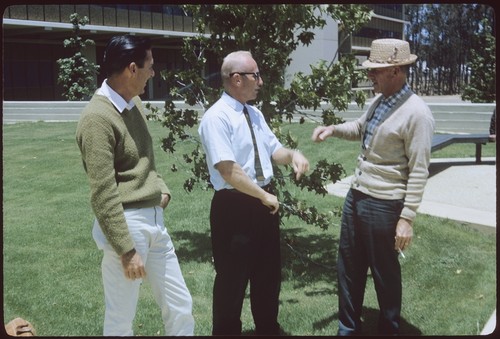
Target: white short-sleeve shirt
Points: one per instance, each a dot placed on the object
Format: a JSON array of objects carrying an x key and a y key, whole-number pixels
[{"x": 225, "y": 136}]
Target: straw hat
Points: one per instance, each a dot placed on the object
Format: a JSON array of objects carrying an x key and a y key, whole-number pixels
[{"x": 389, "y": 52}]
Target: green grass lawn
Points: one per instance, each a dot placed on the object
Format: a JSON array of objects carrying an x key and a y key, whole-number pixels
[{"x": 51, "y": 266}]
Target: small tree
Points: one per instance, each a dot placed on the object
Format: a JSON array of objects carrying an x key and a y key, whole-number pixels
[
  {"x": 271, "y": 33},
  {"x": 76, "y": 73}
]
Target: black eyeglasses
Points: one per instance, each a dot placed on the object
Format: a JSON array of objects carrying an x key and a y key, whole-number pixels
[{"x": 256, "y": 75}]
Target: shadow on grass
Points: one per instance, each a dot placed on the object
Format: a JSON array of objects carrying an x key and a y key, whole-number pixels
[
  {"x": 309, "y": 258},
  {"x": 193, "y": 246},
  {"x": 370, "y": 324},
  {"x": 312, "y": 258},
  {"x": 306, "y": 259}
]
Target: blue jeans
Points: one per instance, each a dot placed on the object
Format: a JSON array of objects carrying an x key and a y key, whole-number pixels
[{"x": 367, "y": 242}]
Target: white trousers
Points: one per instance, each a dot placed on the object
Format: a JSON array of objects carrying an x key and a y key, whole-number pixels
[{"x": 121, "y": 295}]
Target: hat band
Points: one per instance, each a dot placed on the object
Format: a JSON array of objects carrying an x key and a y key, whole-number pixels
[
  {"x": 391, "y": 59},
  {"x": 388, "y": 61}
]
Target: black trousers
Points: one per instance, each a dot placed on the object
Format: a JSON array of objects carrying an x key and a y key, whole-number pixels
[{"x": 246, "y": 250}]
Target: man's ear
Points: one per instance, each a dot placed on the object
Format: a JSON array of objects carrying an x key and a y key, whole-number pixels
[
  {"x": 132, "y": 67},
  {"x": 236, "y": 78}
]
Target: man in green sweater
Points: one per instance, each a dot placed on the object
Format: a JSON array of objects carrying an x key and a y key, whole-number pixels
[
  {"x": 128, "y": 195},
  {"x": 386, "y": 189}
]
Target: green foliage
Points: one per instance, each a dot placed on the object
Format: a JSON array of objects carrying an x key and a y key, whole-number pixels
[
  {"x": 76, "y": 73},
  {"x": 482, "y": 86},
  {"x": 271, "y": 33}
]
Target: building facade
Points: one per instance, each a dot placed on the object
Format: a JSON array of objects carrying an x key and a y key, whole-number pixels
[
  {"x": 387, "y": 22},
  {"x": 33, "y": 38}
]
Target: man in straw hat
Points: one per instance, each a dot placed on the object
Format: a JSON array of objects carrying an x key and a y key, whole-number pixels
[{"x": 386, "y": 189}]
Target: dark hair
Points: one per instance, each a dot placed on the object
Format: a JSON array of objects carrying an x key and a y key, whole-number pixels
[{"x": 124, "y": 49}]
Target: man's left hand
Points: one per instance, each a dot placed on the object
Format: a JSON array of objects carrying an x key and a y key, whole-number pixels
[
  {"x": 300, "y": 164},
  {"x": 404, "y": 234}
]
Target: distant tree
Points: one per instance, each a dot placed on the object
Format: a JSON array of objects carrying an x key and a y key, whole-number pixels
[
  {"x": 76, "y": 73},
  {"x": 447, "y": 38},
  {"x": 482, "y": 86},
  {"x": 415, "y": 15},
  {"x": 271, "y": 33}
]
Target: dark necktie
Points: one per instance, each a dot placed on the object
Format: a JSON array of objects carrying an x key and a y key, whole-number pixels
[{"x": 258, "y": 166}]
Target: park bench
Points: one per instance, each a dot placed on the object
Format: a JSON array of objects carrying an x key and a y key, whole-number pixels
[{"x": 440, "y": 141}]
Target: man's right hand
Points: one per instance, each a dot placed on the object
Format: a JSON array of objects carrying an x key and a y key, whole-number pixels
[
  {"x": 271, "y": 201},
  {"x": 320, "y": 133},
  {"x": 133, "y": 267}
]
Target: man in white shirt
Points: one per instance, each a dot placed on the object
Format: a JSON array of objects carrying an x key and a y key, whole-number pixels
[{"x": 244, "y": 214}]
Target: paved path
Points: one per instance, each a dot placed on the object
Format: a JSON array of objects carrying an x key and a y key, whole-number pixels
[{"x": 463, "y": 191}]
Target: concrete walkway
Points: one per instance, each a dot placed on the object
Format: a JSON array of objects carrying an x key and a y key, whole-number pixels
[
  {"x": 463, "y": 191},
  {"x": 457, "y": 189}
]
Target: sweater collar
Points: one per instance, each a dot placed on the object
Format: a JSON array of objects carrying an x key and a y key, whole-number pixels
[{"x": 115, "y": 98}]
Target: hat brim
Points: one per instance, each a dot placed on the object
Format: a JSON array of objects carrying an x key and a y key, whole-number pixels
[{"x": 369, "y": 64}]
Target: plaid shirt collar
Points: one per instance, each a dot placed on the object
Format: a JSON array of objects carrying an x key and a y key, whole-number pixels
[
  {"x": 393, "y": 99},
  {"x": 383, "y": 108}
]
